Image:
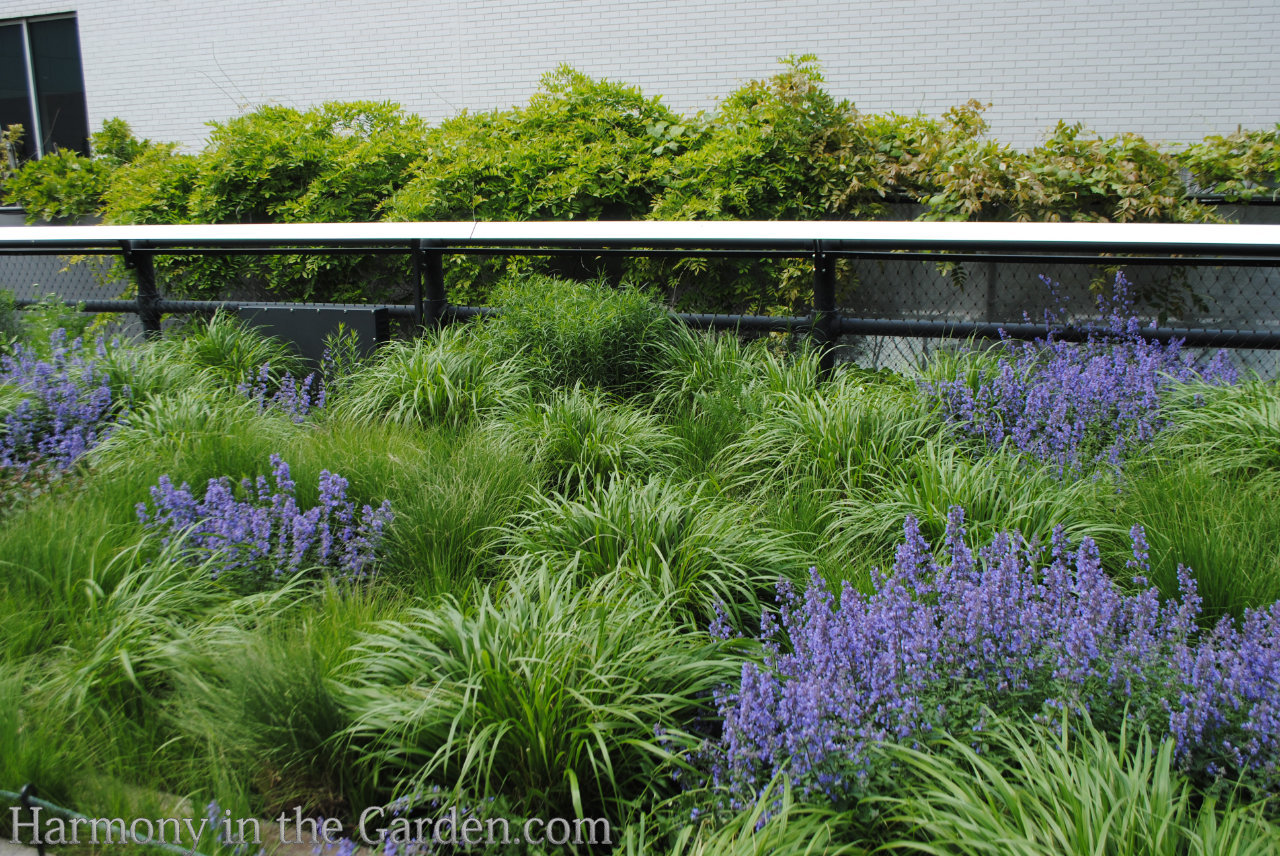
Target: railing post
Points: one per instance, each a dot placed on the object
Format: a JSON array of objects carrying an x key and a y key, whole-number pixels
[
  {"x": 144, "y": 273},
  {"x": 825, "y": 324},
  {"x": 437, "y": 305},
  {"x": 415, "y": 253}
]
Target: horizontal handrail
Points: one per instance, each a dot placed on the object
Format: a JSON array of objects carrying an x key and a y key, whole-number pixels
[{"x": 843, "y": 235}]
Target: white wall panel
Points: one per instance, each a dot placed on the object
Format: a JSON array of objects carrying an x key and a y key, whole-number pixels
[{"x": 1173, "y": 70}]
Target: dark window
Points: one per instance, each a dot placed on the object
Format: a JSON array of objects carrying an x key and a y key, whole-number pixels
[{"x": 42, "y": 84}]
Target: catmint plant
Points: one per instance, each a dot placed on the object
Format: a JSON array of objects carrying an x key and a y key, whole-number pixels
[
  {"x": 67, "y": 404},
  {"x": 291, "y": 396},
  {"x": 1008, "y": 628},
  {"x": 1076, "y": 405},
  {"x": 266, "y": 535},
  {"x": 299, "y": 398}
]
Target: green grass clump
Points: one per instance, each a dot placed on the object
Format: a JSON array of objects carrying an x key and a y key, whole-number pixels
[
  {"x": 580, "y": 438},
  {"x": 998, "y": 491},
  {"x": 568, "y": 332},
  {"x": 1234, "y": 429},
  {"x": 259, "y": 700},
  {"x": 231, "y": 350},
  {"x": 441, "y": 378},
  {"x": 845, "y": 435},
  {"x": 549, "y": 695},
  {"x": 693, "y": 551},
  {"x": 452, "y": 490},
  {"x": 1037, "y": 790},
  {"x": 1226, "y": 530}
]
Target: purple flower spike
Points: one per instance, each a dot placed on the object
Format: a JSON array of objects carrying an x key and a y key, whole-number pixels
[
  {"x": 267, "y": 535},
  {"x": 941, "y": 640}
]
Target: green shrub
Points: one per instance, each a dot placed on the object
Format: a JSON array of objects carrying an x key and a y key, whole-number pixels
[
  {"x": 1239, "y": 166},
  {"x": 66, "y": 186},
  {"x": 549, "y": 695},
  {"x": 581, "y": 149},
  {"x": 1069, "y": 177},
  {"x": 333, "y": 163},
  {"x": 568, "y": 333},
  {"x": 776, "y": 149}
]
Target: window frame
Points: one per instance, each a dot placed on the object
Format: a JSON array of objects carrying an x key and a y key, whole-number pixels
[{"x": 34, "y": 136}]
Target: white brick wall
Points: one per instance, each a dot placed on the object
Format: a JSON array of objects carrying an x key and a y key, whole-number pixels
[{"x": 1174, "y": 70}]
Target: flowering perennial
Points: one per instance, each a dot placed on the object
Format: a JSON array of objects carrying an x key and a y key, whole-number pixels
[
  {"x": 269, "y": 535},
  {"x": 67, "y": 407},
  {"x": 1076, "y": 405},
  {"x": 936, "y": 645},
  {"x": 295, "y": 398}
]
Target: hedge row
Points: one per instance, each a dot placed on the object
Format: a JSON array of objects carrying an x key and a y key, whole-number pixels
[{"x": 775, "y": 149}]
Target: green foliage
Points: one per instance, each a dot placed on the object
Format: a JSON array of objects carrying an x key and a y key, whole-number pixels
[
  {"x": 781, "y": 148},
  {"x": 10, "y": 327},
  {"x": 1068, "y": 177},
  {"x": 568, "y": 332},
  {"x": 445, "y": 377},
  {"x": 261, "y": 700},
  {"x": 1233, "y": 429},
  {"x": 50, "y": 313},
  {"x": 548, "y": 695},
  {"x": 997, "y": 491},
  {"x": 694, "y": 552},
  {"x": 776, "y": 149},
  {"x": 1226, "y": 530},
  {"x": 232, "y": 351},
  {"x": 66, "y": 186},
  {"x": 59, "y": 187},
  {"x": 581, "y": 149},
  {"x": 1239, "y": 167},
  {"x": 154, "y": 188},
  {"x": 1035, "y": 790},
  {"x": 847, "y": 434},
  {"x": 10, "y": 141},
  {"x": 580, "y": 439},
  {"x": 777, "y": 823},
  {"x": 333, "y": 163}
]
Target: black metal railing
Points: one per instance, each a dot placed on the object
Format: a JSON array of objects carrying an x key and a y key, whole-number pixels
[{"x": 905, "y": 271}]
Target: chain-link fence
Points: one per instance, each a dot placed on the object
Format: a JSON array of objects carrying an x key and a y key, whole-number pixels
[{"x": 1186, "y": 296}]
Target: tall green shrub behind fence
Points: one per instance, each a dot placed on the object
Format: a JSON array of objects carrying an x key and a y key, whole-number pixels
[
  {"x": 781, "y": 148},
  {"x": 581, "y": 149}
]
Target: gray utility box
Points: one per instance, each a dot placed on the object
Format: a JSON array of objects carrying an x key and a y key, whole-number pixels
[{"x": 307, "y": 326}]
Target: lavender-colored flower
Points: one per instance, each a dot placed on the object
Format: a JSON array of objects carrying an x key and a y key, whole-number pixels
[
  {"x": 942, "y": 639},
  {"x": 294, "y": 397},
  {"x": 69, "y": 405},
  {"x": 1076, "y": 406},
  {"x": 267, "y": 535}
]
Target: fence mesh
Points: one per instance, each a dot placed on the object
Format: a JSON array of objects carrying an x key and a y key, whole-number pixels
[{"x": 1185, "y": 296}]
